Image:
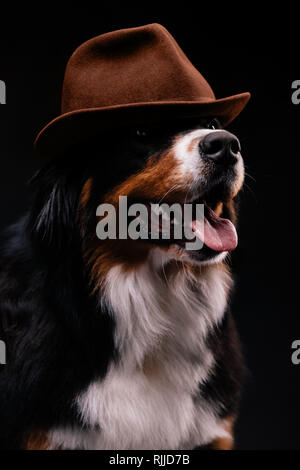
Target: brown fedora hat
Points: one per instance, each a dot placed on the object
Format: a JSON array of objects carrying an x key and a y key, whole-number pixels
[{"x": 127, "y": 77}]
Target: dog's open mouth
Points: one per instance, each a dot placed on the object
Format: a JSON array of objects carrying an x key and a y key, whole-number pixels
[
  {"x": 184, "y": 225},
  {"x": 217, "y": 233}
]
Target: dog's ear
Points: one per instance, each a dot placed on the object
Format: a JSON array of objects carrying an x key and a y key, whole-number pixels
[{"x": 53, "y": 216}]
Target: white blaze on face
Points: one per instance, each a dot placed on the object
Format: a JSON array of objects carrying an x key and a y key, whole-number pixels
[{"x": 186, "y": 151}]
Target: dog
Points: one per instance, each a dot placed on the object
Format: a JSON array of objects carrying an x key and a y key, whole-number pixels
[{"x": 121, "y": 343}]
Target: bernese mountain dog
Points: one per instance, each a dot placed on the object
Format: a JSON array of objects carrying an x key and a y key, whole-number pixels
[{"x": 122, "y": 343}]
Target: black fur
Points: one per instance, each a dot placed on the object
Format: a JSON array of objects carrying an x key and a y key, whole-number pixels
[
  {"x": 53, "y": 328},
  {"x": 225, "y": 382}
]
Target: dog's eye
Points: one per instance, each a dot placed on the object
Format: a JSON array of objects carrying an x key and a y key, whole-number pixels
[{"x": 214, "y": 124}]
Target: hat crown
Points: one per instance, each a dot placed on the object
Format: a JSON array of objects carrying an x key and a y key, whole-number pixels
[{"x": 136, "y": 65}]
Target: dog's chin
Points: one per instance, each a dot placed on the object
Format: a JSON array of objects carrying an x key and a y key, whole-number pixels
[{"x": 204, "y": 256}]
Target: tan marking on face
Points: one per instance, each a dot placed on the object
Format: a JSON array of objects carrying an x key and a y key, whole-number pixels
[
  {"x": 218, "y": 209},
  {"x": 193, "y": 143},
  {"x": 160, "y": 181},
  {"x": 231, "y": 208}
]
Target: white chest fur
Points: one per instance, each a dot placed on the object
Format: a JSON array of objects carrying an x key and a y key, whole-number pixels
[{"x": 147, "y": 400}]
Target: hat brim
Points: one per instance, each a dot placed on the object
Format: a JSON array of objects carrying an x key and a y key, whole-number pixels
[{"x": 71, "y": 127}]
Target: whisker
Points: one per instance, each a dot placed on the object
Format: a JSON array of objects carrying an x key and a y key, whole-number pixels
[
  {"x": 168, "y": 192},
  {"x": 244, "y": 138},
  {"x": 188, "y": 192},
  {"x": 245, "y": 185},
  {"x": 251, "y": 177}
]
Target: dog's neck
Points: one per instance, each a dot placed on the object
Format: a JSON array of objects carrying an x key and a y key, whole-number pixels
[{"x": 161, "y": 305}]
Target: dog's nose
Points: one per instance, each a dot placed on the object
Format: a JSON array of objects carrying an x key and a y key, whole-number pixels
[{"x": 221, "y": 147}]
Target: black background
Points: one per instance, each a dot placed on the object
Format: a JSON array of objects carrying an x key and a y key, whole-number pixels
[{"x": 237, "y": 49}]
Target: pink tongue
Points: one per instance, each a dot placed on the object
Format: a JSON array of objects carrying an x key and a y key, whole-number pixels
[{"x": 219, "y": 234}]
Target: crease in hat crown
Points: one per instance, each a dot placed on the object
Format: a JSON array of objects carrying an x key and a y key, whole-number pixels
[{"x": 126, "y": 75}]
